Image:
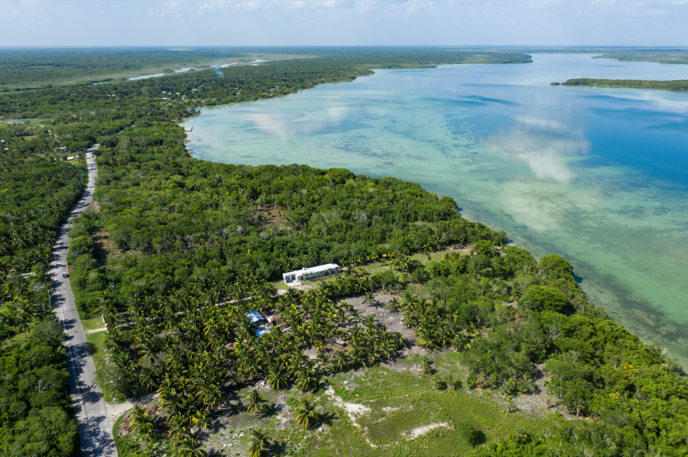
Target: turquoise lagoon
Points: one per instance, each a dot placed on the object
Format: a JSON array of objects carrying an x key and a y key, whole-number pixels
[{"x": 599, "y": 176}]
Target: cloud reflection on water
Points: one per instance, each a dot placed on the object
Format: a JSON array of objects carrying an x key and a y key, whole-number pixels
[
  {"x": 662, "y": 103},
  {"x": 544, "y": 144},
  {"x": 283, "y": 127}
]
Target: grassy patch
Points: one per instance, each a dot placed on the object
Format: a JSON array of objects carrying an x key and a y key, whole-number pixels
[
  {"x": 399, "y": 404},
  {"x": 423, "y": 256},
  {"x": 95, "y": 345},
  {"x": 279, "y": 285},
  {"x": 18, "y": 338},
  {"x": 93, "y": 324},
  {"x": 126, "y": 445},
  {"x": 374, "y": 267}
]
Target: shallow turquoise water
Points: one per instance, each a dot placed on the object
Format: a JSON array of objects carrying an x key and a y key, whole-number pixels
[{"x": 599, "y": 176}]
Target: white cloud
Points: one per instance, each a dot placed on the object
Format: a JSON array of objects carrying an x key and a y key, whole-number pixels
[{"x": 345, "y": 22}]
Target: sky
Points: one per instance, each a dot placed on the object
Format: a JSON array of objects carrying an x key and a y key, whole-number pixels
[{"x": 343, "y": 22}]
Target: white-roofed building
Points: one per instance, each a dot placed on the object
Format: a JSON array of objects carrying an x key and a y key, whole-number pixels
[{"x": 295, "y": 277}]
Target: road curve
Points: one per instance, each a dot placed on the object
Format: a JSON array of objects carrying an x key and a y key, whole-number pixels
[{"x": 95, "y": 429}]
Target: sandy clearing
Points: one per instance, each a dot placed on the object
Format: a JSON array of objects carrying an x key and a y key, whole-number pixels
[
  {"x": 353, "y": 409},
  {"x": 419, "y": 431},
  {"x": 382, "y": 315},
  {"x": 114, "y": 411}
]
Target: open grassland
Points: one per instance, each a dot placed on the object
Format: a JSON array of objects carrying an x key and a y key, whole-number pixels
[{"x": 368, "y": 412}]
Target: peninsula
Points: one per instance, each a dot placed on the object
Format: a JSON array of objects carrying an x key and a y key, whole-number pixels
[{"x": 677, "y": 86}]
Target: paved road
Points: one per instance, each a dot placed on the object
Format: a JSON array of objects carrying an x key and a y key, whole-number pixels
[{"x": 94, "y": 428}]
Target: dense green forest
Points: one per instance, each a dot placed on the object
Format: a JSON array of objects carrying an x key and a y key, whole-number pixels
[
  {"x": 177, "y": 251},
  {"x": 678, "y": 85},
  {"x": 38, "y": 189},
  {"x": 169, "y": 98},
  {"x": 36, "y": 417},
  {"x": 180, "y": 220}
]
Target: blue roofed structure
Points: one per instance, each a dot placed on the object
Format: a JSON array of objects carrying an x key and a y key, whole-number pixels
[{"x": 255, "y": 316}]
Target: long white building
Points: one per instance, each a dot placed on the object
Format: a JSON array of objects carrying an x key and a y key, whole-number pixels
[{"x": 295, "y": 277}]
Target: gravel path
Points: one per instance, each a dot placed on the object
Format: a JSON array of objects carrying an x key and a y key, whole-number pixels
[{"x": 94, "y": 427}]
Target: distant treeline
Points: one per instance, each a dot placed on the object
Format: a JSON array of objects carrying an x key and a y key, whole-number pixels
[
  {"x": 677, "y": 85},
  {"x": 229, "y": 85},
  {"x": 666, "y": 56},
  {"x": 40, "y": 68},
  {"x": 622, "y": 54}
]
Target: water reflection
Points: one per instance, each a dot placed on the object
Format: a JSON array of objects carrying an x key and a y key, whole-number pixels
[
  {"x": 283, "y": 127},
  {"x": 546, "y": 150}
]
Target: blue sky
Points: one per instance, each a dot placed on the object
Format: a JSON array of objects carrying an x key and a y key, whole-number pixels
[{"x": 343, "y": 22}]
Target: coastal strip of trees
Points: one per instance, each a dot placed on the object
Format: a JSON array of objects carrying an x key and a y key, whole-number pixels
[
  {"x": 676, "y": 85},
  {"x": 512, "y": 317}
]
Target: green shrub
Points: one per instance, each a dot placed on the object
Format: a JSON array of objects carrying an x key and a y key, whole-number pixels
[
  {"x": 469, "y": 434},
  {"x": 543, "y": 298}
]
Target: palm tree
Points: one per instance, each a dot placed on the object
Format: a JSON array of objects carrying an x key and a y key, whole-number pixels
[
  {"x": 143, "y": 423},
  {"x": 340, "y": 360},
  {"x": 6, "y": 319},
  {"x": 254, "y": 402},
  {"x": 393, "y": 305},
  {"x": 191, "y": 447},
  {"x": 305, "y": 414},
  {"x": 258, "y": 443},
  {"x": 276, "y": 377},
  {"x": 324, "y": 365},
  {"x": 23, "y": 319},
  {"x": 208, "y": 391},
  {"x": 306, "y": 380}
]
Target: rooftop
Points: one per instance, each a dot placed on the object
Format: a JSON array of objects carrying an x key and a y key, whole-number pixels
[{"x": 319, "y": 268}]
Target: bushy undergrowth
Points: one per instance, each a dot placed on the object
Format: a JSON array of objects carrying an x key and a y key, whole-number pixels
[{"x": 506, "y": 313}]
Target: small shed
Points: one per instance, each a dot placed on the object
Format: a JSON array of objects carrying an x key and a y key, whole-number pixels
[{"x": 255, "y": 317}]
